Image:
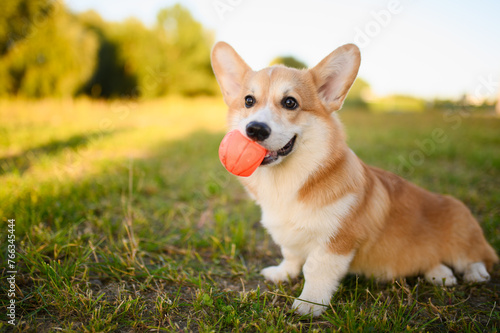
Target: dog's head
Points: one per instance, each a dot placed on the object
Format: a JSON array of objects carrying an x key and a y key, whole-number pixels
[{"x": 275, "y": 106}]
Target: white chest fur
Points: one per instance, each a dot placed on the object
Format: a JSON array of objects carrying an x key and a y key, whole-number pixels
[{"x": 298, "y": 226}]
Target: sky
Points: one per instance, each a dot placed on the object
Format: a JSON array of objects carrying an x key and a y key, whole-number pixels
[{"x": 426, "y": 48}]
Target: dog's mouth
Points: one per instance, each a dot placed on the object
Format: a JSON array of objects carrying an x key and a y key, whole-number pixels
[{"x": 272, "y": 156}]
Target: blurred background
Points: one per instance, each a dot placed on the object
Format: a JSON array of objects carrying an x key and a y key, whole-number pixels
[{"x": 416, "y": 55}]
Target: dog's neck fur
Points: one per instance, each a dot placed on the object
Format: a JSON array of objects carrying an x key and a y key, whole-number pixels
[{"x": 311, "y": 180}]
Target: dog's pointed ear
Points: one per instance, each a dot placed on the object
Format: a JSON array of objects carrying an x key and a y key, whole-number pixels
[
  {"x": 229, "y": 70},
  {"x": 335, "y": 74}
]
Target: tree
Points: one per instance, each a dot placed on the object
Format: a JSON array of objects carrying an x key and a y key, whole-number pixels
[
  {"x": 133, "y": 61},
  {"x": 49, "y": 52},
  {"x": 123, "y": 50},
  {"x": 187, "y": 53},
  {"x": 53, "y": 60},
  {"x": 18, "y": 18},
  {"x": 288, "y": 61},
  {"x": 358, "y": 93}
]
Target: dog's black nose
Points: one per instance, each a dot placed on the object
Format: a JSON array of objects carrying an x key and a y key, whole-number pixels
[{"x": 258, "y": 131}]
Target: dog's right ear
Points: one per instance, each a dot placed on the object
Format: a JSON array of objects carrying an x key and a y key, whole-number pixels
[{"x": 229, "y": 70}]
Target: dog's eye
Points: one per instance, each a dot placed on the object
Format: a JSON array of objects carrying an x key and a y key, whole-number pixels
[
  {"x": 290, "y": 103},
  {"x": 249, "y": 101}
]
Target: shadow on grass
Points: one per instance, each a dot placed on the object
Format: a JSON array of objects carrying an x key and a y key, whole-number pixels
[
  {"x": 176, "y": 175},
  {"x": 22, "y": 161}
]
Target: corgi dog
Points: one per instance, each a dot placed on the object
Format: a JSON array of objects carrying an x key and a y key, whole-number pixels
[{"x": 330, "y": 213}]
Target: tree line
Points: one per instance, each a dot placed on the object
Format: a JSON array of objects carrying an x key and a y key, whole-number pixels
[{"x": 46, "y": 51}]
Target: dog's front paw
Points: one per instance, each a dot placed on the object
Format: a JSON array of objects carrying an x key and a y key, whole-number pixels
[
  {"x": 275, "y": 274},
  {"x": 305, "y": 308},
  {"x": 441, "y": 275}
]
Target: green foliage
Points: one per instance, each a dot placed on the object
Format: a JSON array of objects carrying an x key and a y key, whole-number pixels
[
  {"x": 53, "y": 60},
  {"x": 398, "y": 103},
  {"x": 288, "y": 61},
  {"x": 187, "y": 53},
  {"x": 54, "y": 53},
  {"x": 122, "y": 54},
  {"x": 18, "y": 18},
  {"x": 358, "y": 93}
]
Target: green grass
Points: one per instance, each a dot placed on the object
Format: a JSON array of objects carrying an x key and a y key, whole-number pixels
[{"x": 127, "y": 222}]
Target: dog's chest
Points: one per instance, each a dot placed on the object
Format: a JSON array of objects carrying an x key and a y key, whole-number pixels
[{"x": 299, "y": 226}]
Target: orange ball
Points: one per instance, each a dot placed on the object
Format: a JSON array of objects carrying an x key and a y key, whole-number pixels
[{"x": 240, "y": 155}]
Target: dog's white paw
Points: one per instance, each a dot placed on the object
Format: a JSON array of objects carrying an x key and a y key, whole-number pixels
[
  {"x": 441, "y": 275},
  {"x": 305, "y": 308},
  {"x": 476, "y": 272},
  {"x": 275, "y": 274}
]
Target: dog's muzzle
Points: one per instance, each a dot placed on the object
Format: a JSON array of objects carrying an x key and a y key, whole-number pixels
[{"x": 272, "y": 156}]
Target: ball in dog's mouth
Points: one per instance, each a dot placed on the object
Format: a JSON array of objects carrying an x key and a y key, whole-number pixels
[{"x": 272, "y": 156}]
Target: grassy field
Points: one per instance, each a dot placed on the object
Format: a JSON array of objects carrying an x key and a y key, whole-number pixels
[{"x": 125, "y": 221}]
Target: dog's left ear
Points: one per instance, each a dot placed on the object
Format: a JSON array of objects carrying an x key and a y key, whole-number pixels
[{"x": 335, "y": 74}]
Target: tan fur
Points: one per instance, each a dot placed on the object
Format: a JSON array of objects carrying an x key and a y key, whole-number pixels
[
  {"x": 398, "y": 228},
  {"x": 369, "y": 220}
]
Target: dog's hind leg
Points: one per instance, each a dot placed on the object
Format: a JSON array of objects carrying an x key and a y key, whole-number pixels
[{"x": 476, "y": 272}]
